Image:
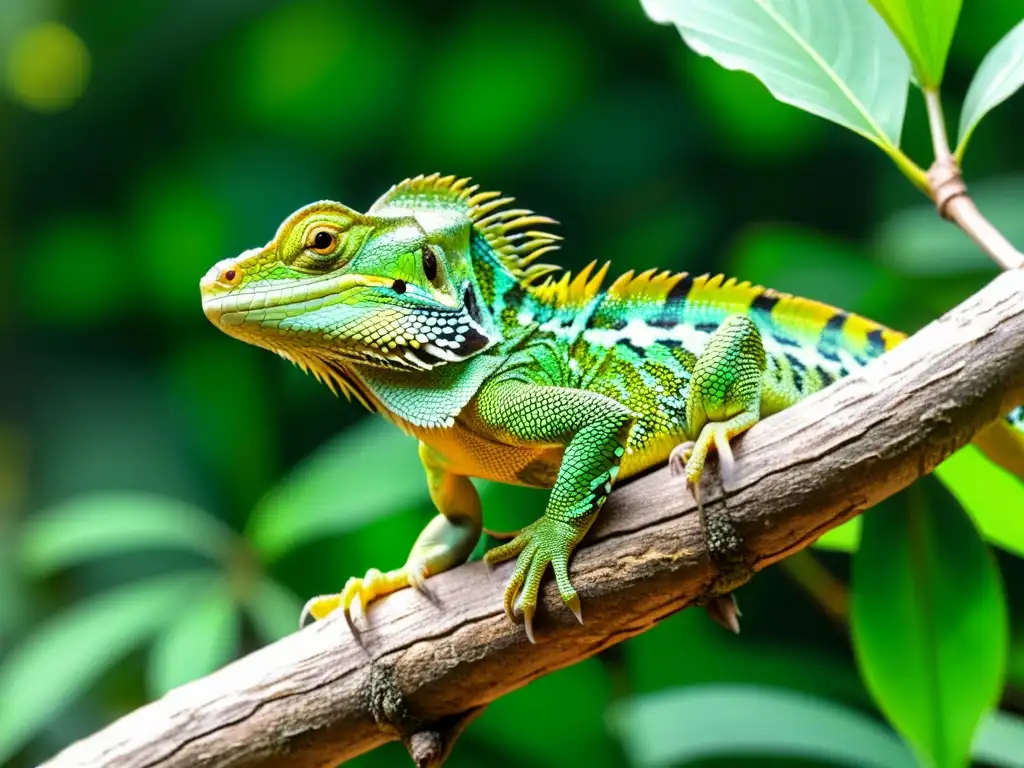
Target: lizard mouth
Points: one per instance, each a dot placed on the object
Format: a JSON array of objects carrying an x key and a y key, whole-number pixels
[
  {"x": 407, "y": 335},
  {"x": 263, "y": 301}
]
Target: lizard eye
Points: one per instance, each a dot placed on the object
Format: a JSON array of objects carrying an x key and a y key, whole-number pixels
[
  {"x": 429, "y": 263},
  {"x": 322, "y": 240}
]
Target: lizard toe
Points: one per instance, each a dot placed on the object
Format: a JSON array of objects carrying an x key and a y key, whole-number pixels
[
  {"x": 565, "y": 587},
  {"x": 679, "y": 457},
  {"x": 317, "y": 608}
]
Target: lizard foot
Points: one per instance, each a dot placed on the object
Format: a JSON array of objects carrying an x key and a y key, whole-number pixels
[
  {"x": 689, "y": 458},
  {"x": 542, "y": 543},
  {"x": 679, "y": 463},
  {"x": 371, "y": 586}
]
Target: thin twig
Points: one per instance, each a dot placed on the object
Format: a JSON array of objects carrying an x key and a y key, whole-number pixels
[{"x": 937, "y": 126}]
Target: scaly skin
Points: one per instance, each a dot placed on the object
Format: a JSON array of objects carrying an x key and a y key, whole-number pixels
[{"x": 432, "y": 310}]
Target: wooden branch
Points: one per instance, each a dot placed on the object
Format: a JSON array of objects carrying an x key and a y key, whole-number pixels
[{"x": 419, "y": 669}]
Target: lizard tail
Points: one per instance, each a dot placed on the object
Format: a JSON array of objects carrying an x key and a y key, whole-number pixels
[{"x": 1003, "y": 442}]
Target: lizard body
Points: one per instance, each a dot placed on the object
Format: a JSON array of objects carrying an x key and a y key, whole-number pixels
[{"x": 433, "y": 309}]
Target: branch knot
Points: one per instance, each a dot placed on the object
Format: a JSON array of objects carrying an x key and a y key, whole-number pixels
[
  {"x": 428, "y": 743},
  {"x": 946, "y": 182},
  {"x": 385, "y": 701}
]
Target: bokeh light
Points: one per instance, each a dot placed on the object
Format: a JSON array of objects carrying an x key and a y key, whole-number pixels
[{"x": 47, "y": 68}]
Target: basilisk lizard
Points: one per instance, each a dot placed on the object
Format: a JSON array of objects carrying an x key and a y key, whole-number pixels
[{"x": 433, "y": 309}]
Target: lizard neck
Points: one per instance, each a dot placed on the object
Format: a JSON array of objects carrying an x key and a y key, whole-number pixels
[{"x": 429, "y": 399}]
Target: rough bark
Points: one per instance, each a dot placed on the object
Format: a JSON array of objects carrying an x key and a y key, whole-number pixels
[{"x": 419, "y": 668}]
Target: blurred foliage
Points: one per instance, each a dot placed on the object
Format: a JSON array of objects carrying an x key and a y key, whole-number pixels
[
  {"x": 943, "y": 669},
  {"x": 47, "y": 67},
  {"x": 167, "y": 494}
]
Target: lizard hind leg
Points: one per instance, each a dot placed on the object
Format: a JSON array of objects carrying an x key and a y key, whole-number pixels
[{"x": 724, "y": 399}]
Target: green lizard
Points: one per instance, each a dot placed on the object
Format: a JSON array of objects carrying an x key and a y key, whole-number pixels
[{"x": 433, "y": 309}]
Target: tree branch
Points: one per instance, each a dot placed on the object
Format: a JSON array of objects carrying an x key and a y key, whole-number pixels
[{"x": 419, "y": 668}]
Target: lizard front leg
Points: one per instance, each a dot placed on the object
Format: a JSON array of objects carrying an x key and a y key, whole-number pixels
[
  {"x": 594, "y": 429},
  {"x": 446, "y": 541}
]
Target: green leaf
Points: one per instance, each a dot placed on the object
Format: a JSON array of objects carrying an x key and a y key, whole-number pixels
[
  {"x": 836, "y": 60},
  {"x": 1000, "y": 75},
  {"x": 274, "y": 610},
  {"x": 999, "y": 740},
  {"x": 929, "y": 622},
  {"x": 62, "y": 658},
  {"x": 992, "y": 496},
  {"x": 368, "y": 471},
  {"x": 200, "y": 639},
  {"x": 721, "y": 721},
  {"x": 925, "y": 29},
  {"x": 100, "y": 524}
]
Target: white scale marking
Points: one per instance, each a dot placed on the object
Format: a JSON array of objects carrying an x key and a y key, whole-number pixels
[{"x": 640, "y": 334}]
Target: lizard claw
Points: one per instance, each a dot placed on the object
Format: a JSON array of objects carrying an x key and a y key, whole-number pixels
[
  {"x": 542, "y": 543},
  {"x": 679, "y": 463},
  {"x": 573, "y": 604},
  {"x": 724, "y": 610},
  {"x": 417, "y": 574},
  {"x": 528, "y": 611},
  {"x": 726, "y": 461},
  {"x": 679, "y": 457}
]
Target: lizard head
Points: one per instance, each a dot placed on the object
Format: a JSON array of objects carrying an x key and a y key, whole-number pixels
[{"x": 335, "y": 287}]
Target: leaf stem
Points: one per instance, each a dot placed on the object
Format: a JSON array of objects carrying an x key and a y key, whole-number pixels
[
  {"x": 918, "y": 177},
  {"x": 937, "y": 126},
  {"x": 948, "y": 191},
  {"x": 826, "y": 590}
]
